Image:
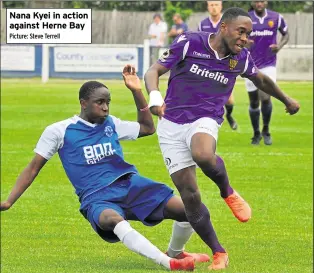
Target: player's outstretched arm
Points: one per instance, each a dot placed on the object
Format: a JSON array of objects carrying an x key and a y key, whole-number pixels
[
  {"x": 144, "y": 117},
  {"x": 284, "y": 39},
  {"x": 266, "y": 84},
  {"x": 156, "y": 102},
  {"x": 24, "y": 180}
]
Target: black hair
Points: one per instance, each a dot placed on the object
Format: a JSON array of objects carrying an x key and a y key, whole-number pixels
[
  {"x": 233, "y": 13},
  {"x": 88, "y": 88}
]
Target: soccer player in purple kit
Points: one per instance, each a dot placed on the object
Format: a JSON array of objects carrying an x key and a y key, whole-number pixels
[
  {"x": 264, "y": 49},
  {"x": 204, "y": 67},
  {"x": 211, "y": 24}
]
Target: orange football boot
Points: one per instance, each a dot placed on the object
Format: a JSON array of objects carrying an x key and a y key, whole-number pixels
[
  {"x": 239, "y": 207},
  {"x": 198, "y": 257},
  {"x": 186, "y": 264},
  {"x": 220, "y": 261}
]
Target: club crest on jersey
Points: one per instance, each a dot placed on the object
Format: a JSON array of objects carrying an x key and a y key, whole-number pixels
[
  {"x": 270, "y": 23},
  {"x": 165, "y": 55},
  {"x": 232, "y": 63},
  {"x": 108, "y": 131}
]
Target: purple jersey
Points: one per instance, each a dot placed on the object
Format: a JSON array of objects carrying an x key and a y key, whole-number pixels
[
  {"x": 208, "y": 25},
  {"x": 200, "y": 83},
  {"x": 264, "y": 34}
]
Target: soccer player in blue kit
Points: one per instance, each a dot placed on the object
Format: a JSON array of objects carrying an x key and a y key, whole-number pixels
[
  {"x": 204, "y": 67},
  {"x": 110, "y": 190}
]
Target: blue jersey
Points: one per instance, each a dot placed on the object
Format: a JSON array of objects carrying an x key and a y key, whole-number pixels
[{"x": 91, "y": 154}]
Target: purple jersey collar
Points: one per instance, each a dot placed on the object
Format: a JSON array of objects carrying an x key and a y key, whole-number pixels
[
  {"x": 216, "y": 53},
  {"x": 261, "y": 19},
  {"x": 212, "y": 22}
]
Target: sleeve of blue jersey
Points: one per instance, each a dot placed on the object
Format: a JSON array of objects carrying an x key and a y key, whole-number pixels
[
  {"x": 49, "y": 143},
  {"x": 126, "y": 130}
]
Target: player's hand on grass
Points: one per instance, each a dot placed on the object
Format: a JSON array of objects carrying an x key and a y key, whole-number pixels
[
  {"x": 131, "y": 80},
  {"x": 5, "y": 206},
  {"x": 274, "y": 48},
  {"x": 158, "y": 110},
  {"x": 292, "y": 106}
]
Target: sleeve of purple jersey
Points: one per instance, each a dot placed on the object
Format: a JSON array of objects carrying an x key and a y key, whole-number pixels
[
  {"x": 199, "y": 28},
  {"x": 176, "y": 52},
  {"x": 249, "y": 69},
  {"x": 282, "y": 25}
]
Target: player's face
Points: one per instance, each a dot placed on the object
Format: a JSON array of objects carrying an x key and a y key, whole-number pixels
[
  {"x": 259, "y": 6},
  {"x": 97, "y": 106},
  {"x": 236, "y": 33},
  {"x": 214, "y": 7}
]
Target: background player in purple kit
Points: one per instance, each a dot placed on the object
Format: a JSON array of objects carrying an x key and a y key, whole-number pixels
[
  {"x": 263, "y": 50},
  {"x": 211, "y": 24},
  {"x": 204, "y": 67}
]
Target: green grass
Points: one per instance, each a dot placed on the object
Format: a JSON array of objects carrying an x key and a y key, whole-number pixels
[{"x": 44, "y": 232}]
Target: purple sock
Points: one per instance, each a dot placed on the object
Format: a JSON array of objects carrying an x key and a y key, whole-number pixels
[
  {"x": 220, "y": 177},
  {"x": 200, "y": 221},
  {"x": 267, "y": 109}
]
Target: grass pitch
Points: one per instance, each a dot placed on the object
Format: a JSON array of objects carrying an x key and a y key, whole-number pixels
[{"x": 44, "y": 232}]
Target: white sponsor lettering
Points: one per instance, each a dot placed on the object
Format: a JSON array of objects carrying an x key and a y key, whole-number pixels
[
  {"x": 217, "y": 76},
  {"x": 201, "y": 54},
  {"x": 95, "y": 153},
  {"x": 262, "y": 33}
]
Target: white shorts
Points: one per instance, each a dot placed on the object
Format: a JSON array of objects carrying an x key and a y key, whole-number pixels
[
  {"x": 270, "y": 71},
  {"x": 175, "y": 141}
]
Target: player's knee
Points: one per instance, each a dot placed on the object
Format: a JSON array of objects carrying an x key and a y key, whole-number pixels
[
  {"x": 108, "y": 221},
  {"x": 266, "y": 101},
  {"x": 204, "y": 159},
  {"x": 190, "y": 197},
  {"x": 254, "y": 104}
]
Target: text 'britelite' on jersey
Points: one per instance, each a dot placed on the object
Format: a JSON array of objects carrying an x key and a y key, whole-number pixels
[{"x": 200, "y": 85}]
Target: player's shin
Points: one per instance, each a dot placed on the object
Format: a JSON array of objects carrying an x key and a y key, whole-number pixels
[
  {"x": 139, "y": 244},
  {"x": 266, "y": 109},
  {"x": 181, "y": 233},
  {"x": 219, "y": 175},
  {"x": 254, "y": 116},
  {"x": 200, "y": 221}
]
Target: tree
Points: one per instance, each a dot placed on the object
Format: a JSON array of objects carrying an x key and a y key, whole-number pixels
[{"x": 177, "y": 8}]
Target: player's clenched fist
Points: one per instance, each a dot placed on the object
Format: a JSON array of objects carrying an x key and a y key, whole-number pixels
[
  {"x": 292, "y": 106},
  {"x": 158, "y": 110},
  {"x": 5, "y": 206}
]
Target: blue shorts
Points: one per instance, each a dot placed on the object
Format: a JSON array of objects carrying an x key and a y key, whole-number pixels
[{"x": 134, "y": 197}]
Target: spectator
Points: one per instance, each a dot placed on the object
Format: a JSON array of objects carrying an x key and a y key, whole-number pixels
[
  {"x": 179, "y": 26},
  {"x": 157, "y": 31}
]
